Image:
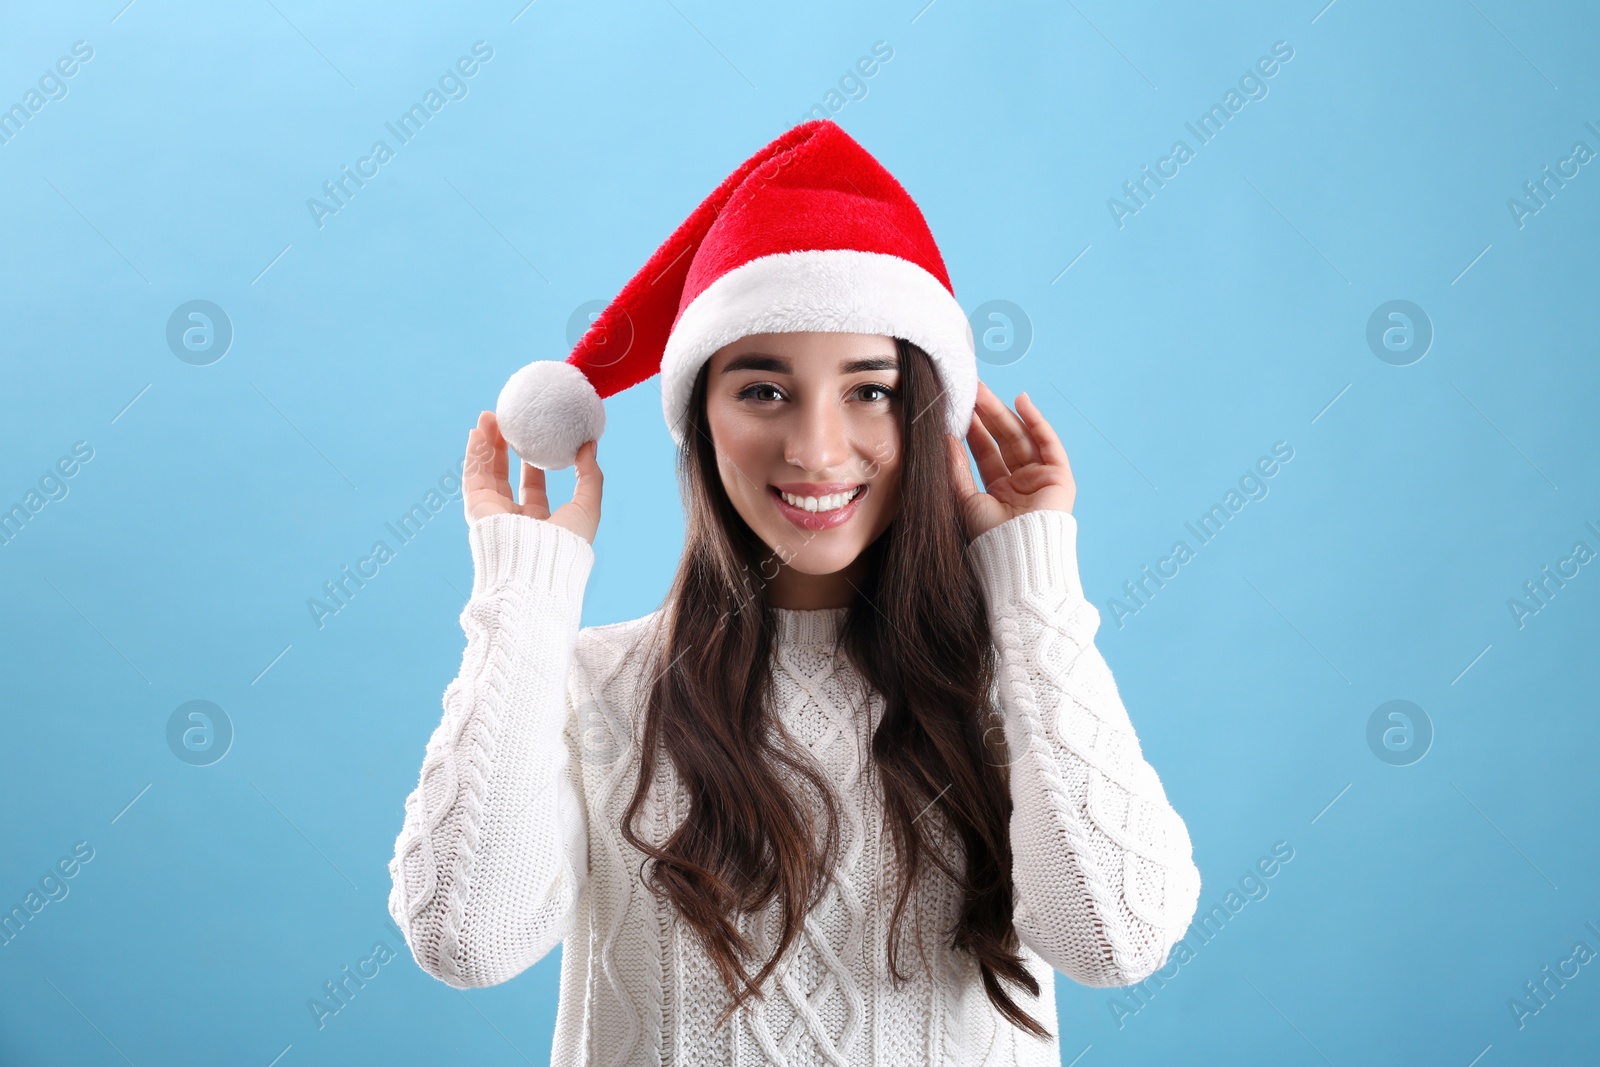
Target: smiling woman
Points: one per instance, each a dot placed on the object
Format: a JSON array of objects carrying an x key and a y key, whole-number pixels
[
  {"x": 807, "y": 429},
  {"x": 867, "y": 718}
]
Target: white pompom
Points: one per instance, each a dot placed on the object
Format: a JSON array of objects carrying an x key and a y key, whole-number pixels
[{"x": 546, "y": 411}]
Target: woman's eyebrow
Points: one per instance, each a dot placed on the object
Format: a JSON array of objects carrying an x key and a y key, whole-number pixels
[{"x": 779, "y": 365}]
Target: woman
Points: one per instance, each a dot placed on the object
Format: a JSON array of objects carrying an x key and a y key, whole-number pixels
[{"x": 868, "y": 717}]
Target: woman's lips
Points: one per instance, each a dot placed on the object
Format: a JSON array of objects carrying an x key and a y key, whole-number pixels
[{"x": 817, "y": 520}]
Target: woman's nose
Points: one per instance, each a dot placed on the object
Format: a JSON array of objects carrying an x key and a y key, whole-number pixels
[{"x": 818, "y": 440}]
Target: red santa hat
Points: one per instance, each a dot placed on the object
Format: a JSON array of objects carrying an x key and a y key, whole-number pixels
[{"x": 810, "y": 233}]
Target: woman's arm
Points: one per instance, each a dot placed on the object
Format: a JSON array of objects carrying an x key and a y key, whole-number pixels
[
  {"x": 493, "y": 855},
  {"x": 1103, "y": 868}
]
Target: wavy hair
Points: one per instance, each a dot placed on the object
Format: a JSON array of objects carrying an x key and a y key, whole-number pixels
[{"x": 917, "y": 632}]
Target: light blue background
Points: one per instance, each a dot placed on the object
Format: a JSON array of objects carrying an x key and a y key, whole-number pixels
[{"x": 1228, "y": 314}]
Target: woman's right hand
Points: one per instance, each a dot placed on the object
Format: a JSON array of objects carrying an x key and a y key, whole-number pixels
[{"x": 487, "y": 491}]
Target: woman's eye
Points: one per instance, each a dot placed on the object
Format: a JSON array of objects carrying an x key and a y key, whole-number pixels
[{"x": 765, "y": 392}]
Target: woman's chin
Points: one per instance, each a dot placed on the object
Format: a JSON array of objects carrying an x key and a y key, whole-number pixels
[{"x": 817, "y": 560}]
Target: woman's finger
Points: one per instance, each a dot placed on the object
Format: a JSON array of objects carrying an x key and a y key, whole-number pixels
[
  {"x": 1050, "y": 448},
  {"x": 1009, "y": 431},
  {"x": 497, "y": 441},
  {"x": 1033, "y": 478},
  {"x": 477, "y": 471},
  {"x": 586, "y": 493},
  {"x": 535, "y": 501},
  {"x": 991, "y": 464}
]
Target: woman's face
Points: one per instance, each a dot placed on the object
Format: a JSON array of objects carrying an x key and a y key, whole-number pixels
[{"x": 813, "y": 415}]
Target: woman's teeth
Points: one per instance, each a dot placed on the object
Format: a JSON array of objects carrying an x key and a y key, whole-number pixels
[{"x": 826, "y": 503}]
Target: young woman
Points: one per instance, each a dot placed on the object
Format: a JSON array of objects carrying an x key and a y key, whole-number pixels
[{"x": 869, "y": 718}]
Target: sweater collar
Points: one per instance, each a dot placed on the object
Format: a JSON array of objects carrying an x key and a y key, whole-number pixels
[{"x": 808, "y": 627}]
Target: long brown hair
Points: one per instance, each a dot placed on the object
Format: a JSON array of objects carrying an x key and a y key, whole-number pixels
[{"x": 917, "y": 632}]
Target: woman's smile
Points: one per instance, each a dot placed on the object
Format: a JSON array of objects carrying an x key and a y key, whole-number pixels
[{"x": 820, "y": 508}]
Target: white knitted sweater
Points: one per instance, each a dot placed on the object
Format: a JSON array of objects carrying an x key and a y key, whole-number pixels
[{"x": 512, "y": 845}]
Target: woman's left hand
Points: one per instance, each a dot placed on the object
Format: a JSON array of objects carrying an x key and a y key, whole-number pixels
[{"x": 1023, "y": 464}]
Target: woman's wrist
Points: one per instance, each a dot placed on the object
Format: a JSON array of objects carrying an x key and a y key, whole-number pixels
[
  {"x": 1029, "y": 554},
  {"x": 510, "y": 550}
]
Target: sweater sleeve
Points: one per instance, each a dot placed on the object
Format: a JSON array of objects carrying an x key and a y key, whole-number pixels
[
  {"x": 1105, "y": 881},
  {"x": 493, "y": 853}
]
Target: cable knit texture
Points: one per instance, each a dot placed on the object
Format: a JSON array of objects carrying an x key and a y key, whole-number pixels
[{"x": 512, "y": 840}]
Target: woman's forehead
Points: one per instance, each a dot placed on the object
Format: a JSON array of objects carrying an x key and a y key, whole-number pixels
[{"x": 808, "y": 352}]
